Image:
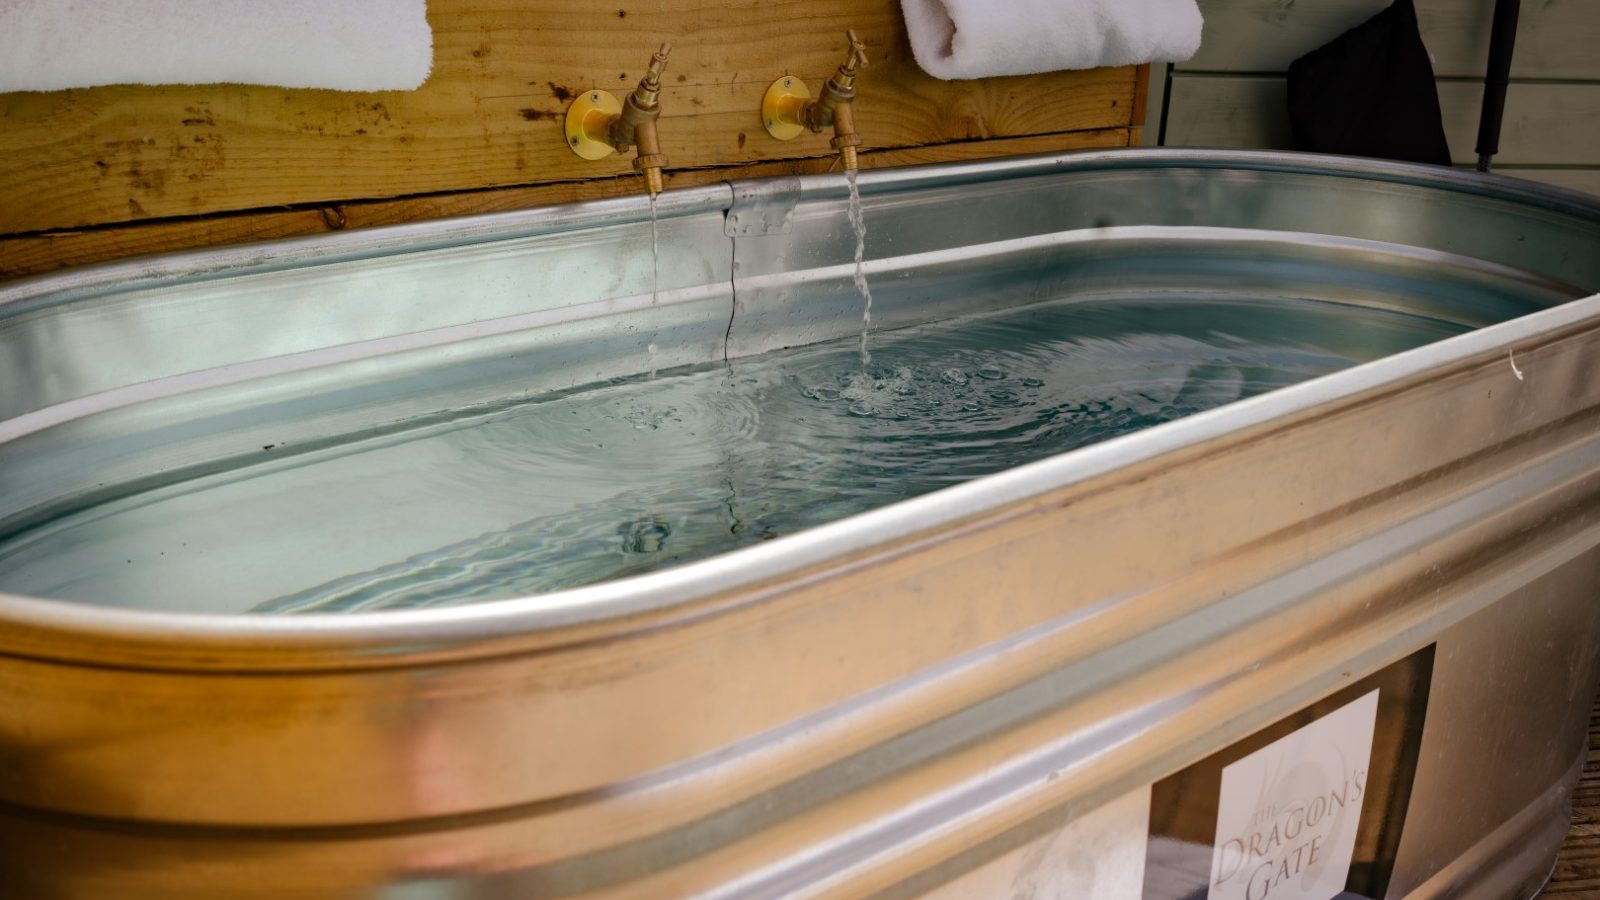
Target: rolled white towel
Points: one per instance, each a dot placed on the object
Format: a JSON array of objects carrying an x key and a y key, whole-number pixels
[
  {"x": 984, "y": 38},
  {"x": 345, "y": 45}
]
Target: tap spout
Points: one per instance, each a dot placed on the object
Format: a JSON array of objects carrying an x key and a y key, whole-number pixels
[{"x": 845, "y": 137}]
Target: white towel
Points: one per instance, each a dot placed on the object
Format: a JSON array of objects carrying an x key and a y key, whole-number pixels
[
  {"x": 346, "y": 45},
  {"x": 983, "y": 38}
]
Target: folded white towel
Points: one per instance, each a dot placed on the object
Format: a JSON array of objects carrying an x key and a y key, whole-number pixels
[
  {"x": 983, "y": 38},
  {"x": 346, "y": 45}
]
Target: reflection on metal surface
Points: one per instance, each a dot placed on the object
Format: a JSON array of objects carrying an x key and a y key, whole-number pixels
[
  {"x": 1098, "y": 855},
  {"x": 882, "y": 704}
]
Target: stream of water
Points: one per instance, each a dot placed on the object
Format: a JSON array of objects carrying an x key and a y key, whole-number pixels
[
  {"x": 655, "y": 276},
  {"x": 638, "y": 475},
  {"x": 858, "y": 224}
]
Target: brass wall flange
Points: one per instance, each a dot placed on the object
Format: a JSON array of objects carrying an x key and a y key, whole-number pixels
[
  {"x": 589, "y": 121},
  {"x": 783, "y": 106}
]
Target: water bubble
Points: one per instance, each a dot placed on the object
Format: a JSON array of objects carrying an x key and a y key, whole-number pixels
[
  {"x": 953, "y": 376},
  {"x": 990, "y": 373},
  {"x": 647, "y": 535},
  {"x": 859, "y": 409},
  {"x": 828, "y": 394},
  {"x": 970, "y": 406},
  {"x": 1032, "y": 382},
  {"x": 902, "y": 381}
]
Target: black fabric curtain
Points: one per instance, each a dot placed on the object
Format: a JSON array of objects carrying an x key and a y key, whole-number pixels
[{"x": 1370, "y": 92}]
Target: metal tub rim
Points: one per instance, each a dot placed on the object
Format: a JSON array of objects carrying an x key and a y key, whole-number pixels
[
  {"x": 33, "y": 292},
  {"x": 97, "y": 636}
]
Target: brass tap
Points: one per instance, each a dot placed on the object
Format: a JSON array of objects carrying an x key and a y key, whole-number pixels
[
  {"x": 835, "y": 106},
  {"x": 637, "y": 124},
  {"x": 787, "y": 109},
  {"x": 598, "y": 125}
]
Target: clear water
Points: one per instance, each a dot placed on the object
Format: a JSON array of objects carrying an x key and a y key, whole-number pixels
[
  {"x": 858, "y": 224},
  {"x": 638, "y": 475}
]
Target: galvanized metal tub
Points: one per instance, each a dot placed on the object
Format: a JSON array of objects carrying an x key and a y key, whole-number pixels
[{"x": 915, "y": 699}]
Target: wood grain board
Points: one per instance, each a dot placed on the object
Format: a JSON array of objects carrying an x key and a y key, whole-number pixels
[
  {"x": 36, "y": 254},
  {"x": 490, "y": 116},
  {"x": 1578, "y": 867}
]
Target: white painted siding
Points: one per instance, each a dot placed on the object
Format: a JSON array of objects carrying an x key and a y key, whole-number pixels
[{"x": 1232, "y": 94}]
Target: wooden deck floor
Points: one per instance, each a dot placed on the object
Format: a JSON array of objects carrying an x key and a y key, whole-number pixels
[{"x": 1578, "y": 868}]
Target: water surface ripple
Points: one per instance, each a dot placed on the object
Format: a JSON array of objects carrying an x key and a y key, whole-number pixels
[{"x": 632, "y": 477}]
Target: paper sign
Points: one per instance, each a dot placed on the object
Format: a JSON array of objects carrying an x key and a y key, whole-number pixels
[{"x": 1289, "y": 812}]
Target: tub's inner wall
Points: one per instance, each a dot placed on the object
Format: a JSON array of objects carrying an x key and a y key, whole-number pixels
[
  {"x": 245, "y": 316},
  {"x": 96, "y": 341},
  {"x": 72, "y": 350},
  {"x": 1483, "y": 221},
  {"x": 787, "y": 309}
]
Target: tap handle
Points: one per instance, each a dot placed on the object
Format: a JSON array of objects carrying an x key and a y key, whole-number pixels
[
  {"x": 646, "y": 95},
  {"x": 858, "y": 54},
  {"x": 658, "y": 64},
  {"x": 843, "y": 82}
]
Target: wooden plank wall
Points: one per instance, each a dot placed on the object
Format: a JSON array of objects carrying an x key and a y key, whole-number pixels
[
  {"x": 100, "y": 173},
  {"x": 1233, "y": 94},
  {"x": 1577, "y": 873}
]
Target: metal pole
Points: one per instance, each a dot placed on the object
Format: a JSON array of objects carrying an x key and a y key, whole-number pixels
[{"x": 1502, "y": 41}]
